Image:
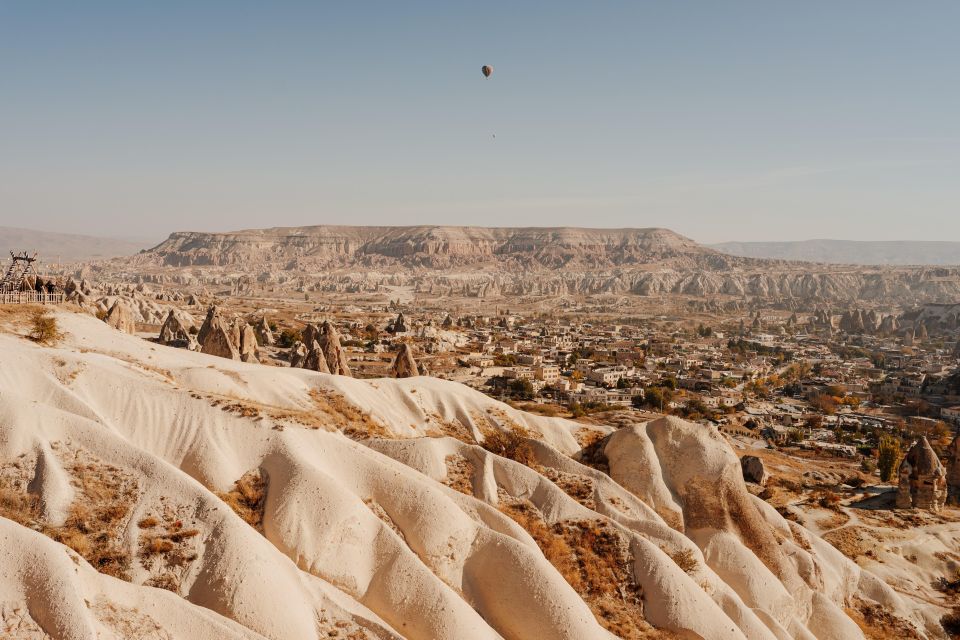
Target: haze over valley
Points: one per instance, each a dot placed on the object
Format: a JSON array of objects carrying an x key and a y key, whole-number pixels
[{"x": 479, "y": 321}]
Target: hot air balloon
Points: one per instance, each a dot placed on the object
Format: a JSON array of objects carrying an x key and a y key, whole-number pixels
[{"x": 487, "y": 70}]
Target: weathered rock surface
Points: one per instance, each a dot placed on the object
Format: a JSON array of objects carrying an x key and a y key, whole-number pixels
[
  {"x": 754, "y": 470},
  {"x": 175, "y": 331},
  {"x": 316, "y": 359},
  {"x": 248, "y": 344},
  {"x": 332, "y": 350},
  {"x": 120, "y": 317},
  {"x": 404, "y": 365},
  {"x": 922, "y": 479},
  {"x": 264, "y": 333},
  {"x": 490, "y": 262},
  {"x": 216, "y": 337}
]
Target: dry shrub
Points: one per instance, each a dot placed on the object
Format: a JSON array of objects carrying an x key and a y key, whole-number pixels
[
  {"x": 554, "y": 547},
  {"x": 592, "y": 454},
  {"x": 44, "y": 328},
  {"x": 512, "y": 444},
  {"x": 685, "y": 559},
  {"x": 76, "y": 541},
  {"x": 827, "y": 499},
  {"x": 17, "y": 505},
  {"x": 247, "y": 498},
  {"x": 594, "y": 558},
  {"x": 158, "y": 545}
]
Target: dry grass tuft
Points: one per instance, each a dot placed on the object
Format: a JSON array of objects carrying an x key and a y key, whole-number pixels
[
  {"x": 247, "y": 498},
  {"x": 951, "y": 623},
  {"x": 579, "y": 487},
  {"x": 878, "y": 623},
  {"x": 459, "y": 474},
  {"x": 97, "y": 519},
  {"x": 347, "y": 417},
  {"x": 685, "y": 559},
  {"x": 165, "y": 550}
]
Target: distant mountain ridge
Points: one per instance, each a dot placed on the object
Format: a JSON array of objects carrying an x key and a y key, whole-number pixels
[
  {"x": 65, "y": 247},
  {"x": 488, "y": 262},
  {"x": 860, "y": 252},
  {"x": 438, "y": 247}
]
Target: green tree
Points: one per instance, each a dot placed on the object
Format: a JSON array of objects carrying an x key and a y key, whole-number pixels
[
  {"x": 658, "y": 398},
  {"x": 521, "y": 389}
]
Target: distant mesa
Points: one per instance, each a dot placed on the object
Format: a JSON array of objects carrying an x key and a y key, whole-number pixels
[{"x": 489, "y": 262}]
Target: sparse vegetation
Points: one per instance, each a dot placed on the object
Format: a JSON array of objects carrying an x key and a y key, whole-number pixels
[
  {"x": 511, "y": 444},
  {"x": 247, "y": 497},
  {"x": 888, "y": 457},
  {"x": 595, "y": 560},
  {"x": 345, "y": 416},
  {"x": 44, "y": 328},
  {"x": 96, "y": 520},
  {"x": 685, "y": 559}
]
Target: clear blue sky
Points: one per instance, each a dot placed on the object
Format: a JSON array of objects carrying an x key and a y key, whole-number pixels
[{"x": 750, "y": 120}]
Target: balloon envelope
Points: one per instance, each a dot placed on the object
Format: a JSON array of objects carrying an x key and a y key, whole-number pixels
[{"x": 487, "y": 70}]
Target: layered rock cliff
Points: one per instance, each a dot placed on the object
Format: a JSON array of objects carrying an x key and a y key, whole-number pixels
[{"x": 489, "y": 262}]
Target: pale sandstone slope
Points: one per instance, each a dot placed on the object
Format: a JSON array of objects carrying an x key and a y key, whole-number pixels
[{"x": 374, "y": 535}]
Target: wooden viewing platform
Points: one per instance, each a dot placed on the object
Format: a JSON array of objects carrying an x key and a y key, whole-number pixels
[{"x": 30, "y": 297}]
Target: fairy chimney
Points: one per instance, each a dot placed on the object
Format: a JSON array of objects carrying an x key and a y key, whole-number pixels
[
  {"x": 404, "y": 365},
  {"x": 923, "y": 483},
  {"x": 332, "y": 350}
]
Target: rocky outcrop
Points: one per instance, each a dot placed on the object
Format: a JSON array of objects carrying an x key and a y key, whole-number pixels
[
  {"x": 404, "y": 364},
  {"x": 398, "y": 325},
  {"x": 432, "y": 246},
  {"x": 120, "y": 317},
  {"x": 315, "y": 359},
  {"x": 175, "y": 331},
  {"x": 491, "y": 262},
  {"x": 248, "y": 344},
  {"x": 216, "y": 337},
  {"x": 922, "y": 479},
  {"x": 298, "y": 355},
  {"x": 753, "y": 470},
  {"x": 264, "y": 333},
  {"x": 332, "y": 350}
]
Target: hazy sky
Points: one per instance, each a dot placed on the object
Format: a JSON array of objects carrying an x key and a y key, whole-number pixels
[{"x": 723, "y": 120}]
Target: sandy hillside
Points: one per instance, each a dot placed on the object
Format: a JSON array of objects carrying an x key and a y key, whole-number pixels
[{"x": 150, "y": 492}]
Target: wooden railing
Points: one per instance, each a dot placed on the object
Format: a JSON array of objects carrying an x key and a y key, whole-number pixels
[{"x": 30, "y": 297}]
